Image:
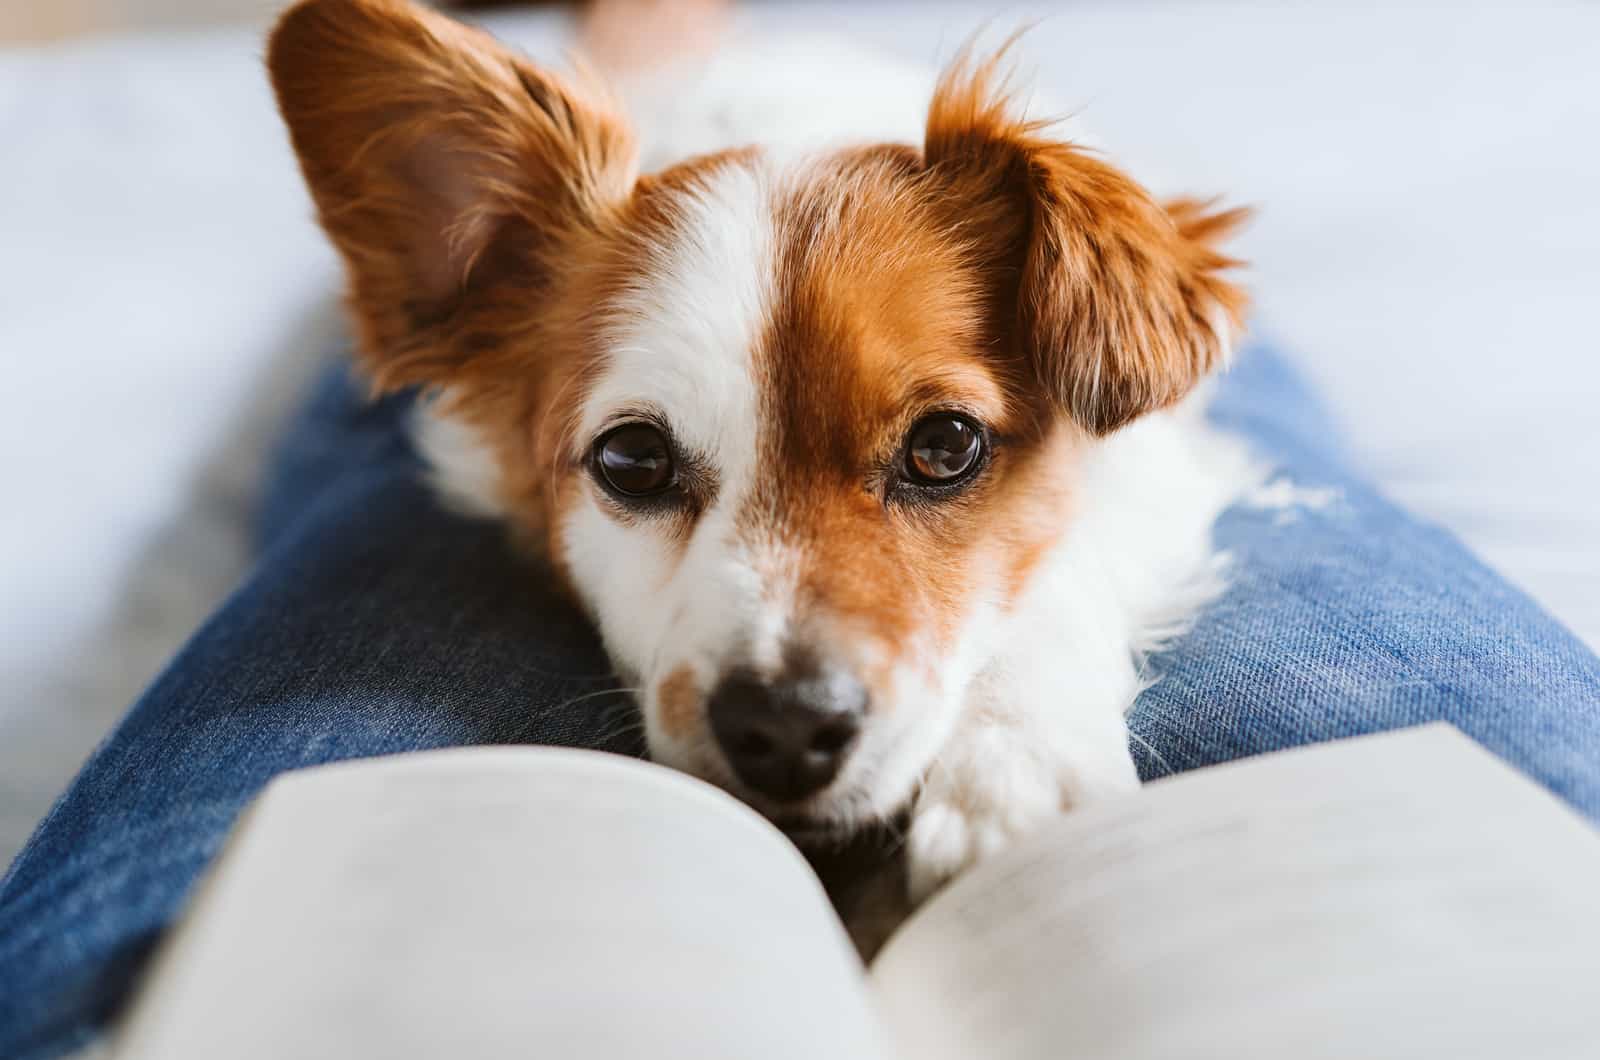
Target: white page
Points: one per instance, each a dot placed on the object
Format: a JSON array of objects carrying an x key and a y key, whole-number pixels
[
  {"x": 505, "y": 902},
  {"x": 1402, "y": 895}
]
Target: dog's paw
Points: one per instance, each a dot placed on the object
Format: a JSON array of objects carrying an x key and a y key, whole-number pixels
[
  {"x": 992, "y": 791},
  {"x": 959, "y": 820}
]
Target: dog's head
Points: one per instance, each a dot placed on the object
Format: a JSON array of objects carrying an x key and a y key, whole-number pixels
[{"x": 796, "y": 434}]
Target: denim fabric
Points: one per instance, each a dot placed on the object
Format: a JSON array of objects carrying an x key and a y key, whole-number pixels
[
  {"x": 375, "y": 623},
  {"x": 1347, "y": 616}
]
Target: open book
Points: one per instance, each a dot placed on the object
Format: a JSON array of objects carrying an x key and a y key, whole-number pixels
[{"x": 1395, "y": 895}]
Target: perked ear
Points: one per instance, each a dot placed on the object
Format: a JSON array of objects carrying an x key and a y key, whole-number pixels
[
  {"x": 1119, "y": 303},
  {"x": 443, "y": 166}
]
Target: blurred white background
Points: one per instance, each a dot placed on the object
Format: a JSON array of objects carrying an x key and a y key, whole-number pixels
[
  {"x": 1428, "y": 250},
  {"x": 34, "y": 21}
]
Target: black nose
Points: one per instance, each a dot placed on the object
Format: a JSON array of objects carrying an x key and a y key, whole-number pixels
[{"x": 786, "y": 738}]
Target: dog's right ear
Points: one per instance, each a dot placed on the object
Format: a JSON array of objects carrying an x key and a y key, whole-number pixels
[
  {"x": 443, "y": 167},
  {"x": 1122, "y": 305}
]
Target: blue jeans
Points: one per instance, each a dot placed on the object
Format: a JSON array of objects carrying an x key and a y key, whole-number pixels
[{"x": 374, "y": 623}]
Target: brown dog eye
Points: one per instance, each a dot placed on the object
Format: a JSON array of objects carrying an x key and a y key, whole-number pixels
[
  {"x": 943, "y": 449},
  {"x": 635, "y": 460}
]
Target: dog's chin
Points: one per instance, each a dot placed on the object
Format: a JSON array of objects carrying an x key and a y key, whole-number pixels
[
  {"x": 830, "y": 817},
  {"x": 834, "y": 817},
  {"x": 837, "y": 817},
  {"x": 860, "y": 802},
  {"x": 808, "y": 831},
  {"x": 863, "y": 871}
]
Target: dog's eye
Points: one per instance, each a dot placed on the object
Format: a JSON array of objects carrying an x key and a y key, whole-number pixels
[
  {"x": 943, "y": 449},
  {"x": 635, "y": 460}
]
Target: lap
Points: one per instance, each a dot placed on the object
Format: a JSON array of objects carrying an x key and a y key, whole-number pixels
[{"x": 376, "y": 623}]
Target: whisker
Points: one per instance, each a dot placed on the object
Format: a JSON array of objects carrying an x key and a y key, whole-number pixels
[
  {"x": 897, "y": 836},
  {"x": 1148, "y": 746},
  {"x": 609, "y": 675},
  {"x": 619, "y": 732},
  {"x": 620, "y": 719},
  {"x": 593, "y": 695}
]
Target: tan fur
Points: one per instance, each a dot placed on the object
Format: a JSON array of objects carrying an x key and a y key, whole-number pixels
[
  {"x": 679, "y": 701},
  {"x": 444, "y": 168},
  {"x": 885, "y": 313},
  {"x": 490, "y": 217},
  {"x": 1118, "y": 302},
  {"x": 484, "y": 207}
]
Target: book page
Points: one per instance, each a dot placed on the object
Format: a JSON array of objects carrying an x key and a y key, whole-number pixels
[
  {"x": 504, "y": 902},
  {"x": 1397, "y": 895}
]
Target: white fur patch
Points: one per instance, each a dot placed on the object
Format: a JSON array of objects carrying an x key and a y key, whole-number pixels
[
  {"x": 680, "y": 343},
  {"x": 1043, "y": 730},
  {"x": 680, "y": 339},
  {"x": 461, "y": 466}
]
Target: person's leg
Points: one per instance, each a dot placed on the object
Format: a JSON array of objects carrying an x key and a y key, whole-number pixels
[
  {"x": 377, "y": 623},
  {"x": 1345, "y": 615},
  {"x": 374, "y": 623}
]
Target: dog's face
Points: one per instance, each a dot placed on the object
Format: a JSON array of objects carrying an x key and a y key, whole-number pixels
[
  {"x": 796, "y": 434},
  {"x": 806, "y": 485}
]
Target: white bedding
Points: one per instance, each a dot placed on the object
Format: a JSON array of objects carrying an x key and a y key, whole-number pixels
[{"x": 1429, "y": 249}]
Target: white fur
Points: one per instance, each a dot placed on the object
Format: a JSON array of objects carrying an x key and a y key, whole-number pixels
[
  {"x": 1026, "y": 719},
  {"x": 681, "y": 344},
  {"x": 462, "y": 467},
  {"x": 1043, "y": 728}
]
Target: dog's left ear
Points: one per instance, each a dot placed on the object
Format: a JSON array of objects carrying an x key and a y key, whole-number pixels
[
  {"x": 1117, "y": 301},
  {"x": 451, "y": 173}
]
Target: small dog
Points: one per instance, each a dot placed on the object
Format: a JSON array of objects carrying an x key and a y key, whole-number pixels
[{"x": 871, "y": 461}]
